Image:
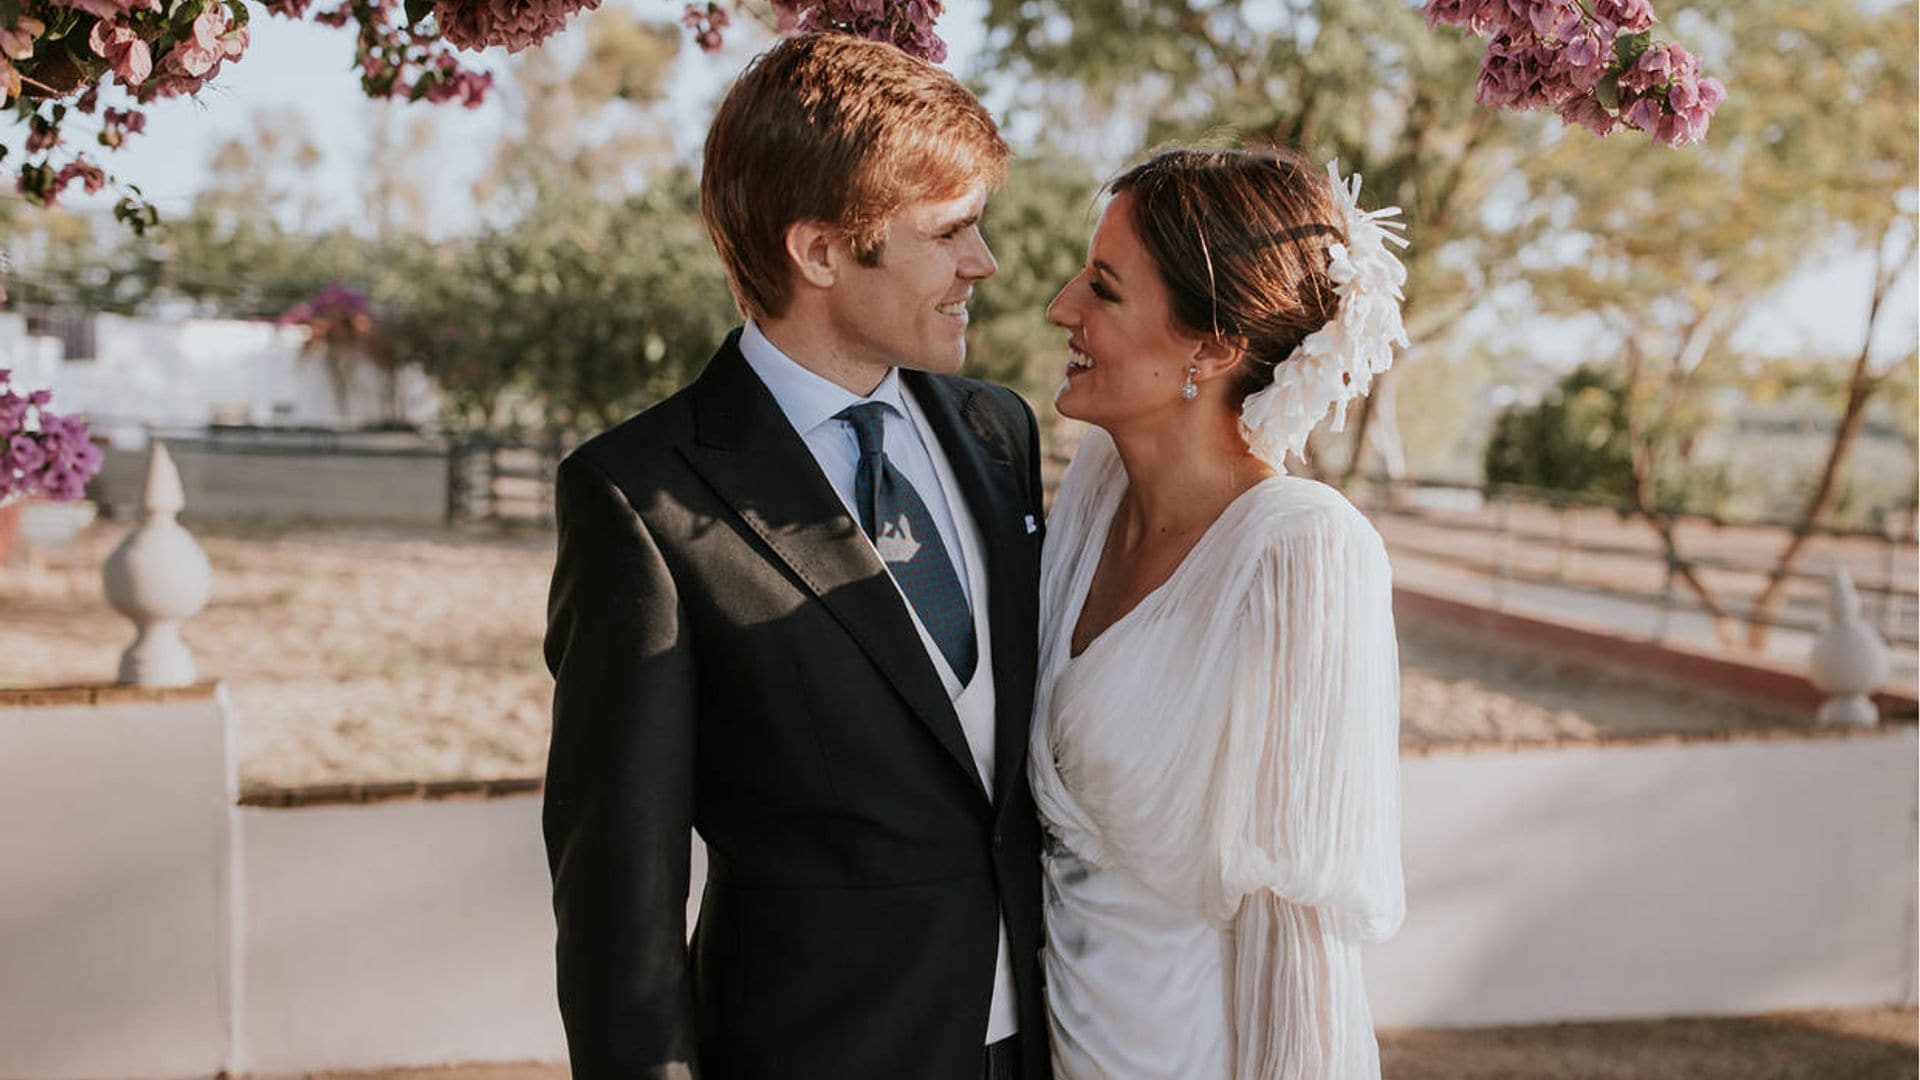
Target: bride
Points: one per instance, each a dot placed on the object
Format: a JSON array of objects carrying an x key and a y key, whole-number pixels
[{"x": 1216, "y": 733}]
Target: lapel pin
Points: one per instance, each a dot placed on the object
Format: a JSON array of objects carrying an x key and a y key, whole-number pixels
[{"x": 1031, "y": 527}]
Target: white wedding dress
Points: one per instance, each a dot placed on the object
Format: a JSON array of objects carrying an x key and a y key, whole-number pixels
[{"x": 1218, "y": 777}]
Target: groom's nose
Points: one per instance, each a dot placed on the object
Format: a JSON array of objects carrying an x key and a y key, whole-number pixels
[{"x": 976, "y": 260}]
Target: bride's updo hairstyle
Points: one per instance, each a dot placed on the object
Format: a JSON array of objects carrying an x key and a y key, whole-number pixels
[{"x": 1240, "y": 238}]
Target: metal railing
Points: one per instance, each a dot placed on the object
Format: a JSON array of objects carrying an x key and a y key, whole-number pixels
[{"x": 1499, "y": 541}]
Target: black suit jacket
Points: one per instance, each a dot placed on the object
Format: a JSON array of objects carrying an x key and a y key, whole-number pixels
[{"x": 731, "y": 657}]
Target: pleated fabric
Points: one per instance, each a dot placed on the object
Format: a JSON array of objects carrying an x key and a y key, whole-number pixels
[{"x": 1218, "y": 774}]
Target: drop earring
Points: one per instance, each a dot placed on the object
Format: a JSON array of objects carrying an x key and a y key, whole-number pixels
[{"x": 1189, "y": 391}]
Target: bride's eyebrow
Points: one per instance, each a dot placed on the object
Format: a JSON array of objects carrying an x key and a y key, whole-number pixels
[{"x": 1106, "y": 268}]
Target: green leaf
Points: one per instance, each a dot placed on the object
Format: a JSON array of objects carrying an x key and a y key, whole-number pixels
[
  {"x": 1607, "y": 93},
  {"x": 417, "y": 10},
  {"x": 1628, "y": 47},
  {"x": 9, "y": 12}
]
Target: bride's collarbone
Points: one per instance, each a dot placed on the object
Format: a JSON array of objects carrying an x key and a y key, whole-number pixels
[{"x": 1125, "y": 577}]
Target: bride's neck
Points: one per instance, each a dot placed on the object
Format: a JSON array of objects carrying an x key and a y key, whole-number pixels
[{"x": 1181, "y": 476}]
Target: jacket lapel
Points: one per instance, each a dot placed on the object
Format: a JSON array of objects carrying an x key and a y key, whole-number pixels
[
  {"x": 745, "y": 449},
  {"x": 982, "y": 454}
]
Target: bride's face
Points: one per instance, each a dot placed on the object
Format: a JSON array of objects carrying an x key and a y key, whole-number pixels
[{"x": 1126, "y": 357}]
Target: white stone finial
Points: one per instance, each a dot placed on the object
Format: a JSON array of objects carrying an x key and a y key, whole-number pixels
[
  {"x": 1849, "y": 660},
  {"x": 158, "y": 577},
  {"x": 163, "y": 493}
]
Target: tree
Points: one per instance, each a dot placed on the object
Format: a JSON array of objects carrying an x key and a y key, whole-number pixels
[
  {"x": 1037, "y": 228},
  {"x": 1366, "y": 83},
  {"x": 598, "y": 308},
  {"x": 1672, "y": 251},
  {"x": 1571, "y": 441}
]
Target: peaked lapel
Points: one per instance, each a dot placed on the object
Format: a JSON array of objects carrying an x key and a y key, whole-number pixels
[
  {"x": 753, "y": 459},
  {"x": 982, "y": 454}
]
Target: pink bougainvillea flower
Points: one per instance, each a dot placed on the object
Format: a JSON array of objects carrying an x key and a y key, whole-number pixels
[
  {"x": 510, "y": 24},
  {"x": 708, "y": 22},
  {"x": 1582, "y": 61},
  {"x": 1642, "y": 112},
  {"x": 1633, "y": 16},
  {"x": 24, "y": 453},
  {"x": 121, "y": 48},
  {"x": 1555, "y": 19},
  {"x": 195, "y": 54},
  {"x": 1654, "y": 68},
  {"x": 17, "y": 43},
  {"x": 1560, "y": 54},
  {"x": 1587, "y": 112}
]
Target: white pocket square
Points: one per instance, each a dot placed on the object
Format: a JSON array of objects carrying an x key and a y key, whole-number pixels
[{"x": 1031, "y": 526}]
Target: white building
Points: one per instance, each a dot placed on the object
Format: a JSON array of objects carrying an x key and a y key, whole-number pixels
[{"x": 129, "y": 374}]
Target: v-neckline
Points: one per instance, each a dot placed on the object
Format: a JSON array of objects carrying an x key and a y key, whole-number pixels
[{"x": 1080, "y": 605}]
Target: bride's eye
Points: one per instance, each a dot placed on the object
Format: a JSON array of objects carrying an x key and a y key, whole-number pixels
[{"x": 1101, "y": 291}]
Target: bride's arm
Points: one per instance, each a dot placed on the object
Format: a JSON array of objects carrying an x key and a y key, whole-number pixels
[{"x": 1310, "y": 812}]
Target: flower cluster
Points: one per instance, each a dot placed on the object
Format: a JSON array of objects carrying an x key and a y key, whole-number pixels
[
  {"x": 512, "y": 24},
  {"x": 334, "y": 311},
  {"x": 904, "y": 23},
  {"x": 706, "y": 21},
  {"x": 1597, "y": 67},
  {"x": 57, "y": 57},
  {"x": 42, "y": 454}
]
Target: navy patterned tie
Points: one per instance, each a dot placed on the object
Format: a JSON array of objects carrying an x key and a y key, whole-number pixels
[{"x": 904, "y": 534}]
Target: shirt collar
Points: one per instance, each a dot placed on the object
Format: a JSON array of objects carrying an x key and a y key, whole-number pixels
[{"x": 808, "y": 400}]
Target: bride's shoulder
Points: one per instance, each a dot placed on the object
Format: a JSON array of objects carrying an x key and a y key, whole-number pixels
[{"x": 1290, "y": 509}]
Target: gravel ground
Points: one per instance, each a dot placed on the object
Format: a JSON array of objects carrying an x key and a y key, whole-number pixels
[
  {"x": 365, "y": 654},
  {"x": 1834, "y": 1045},
  {"x": 1853, "y": 1045}
]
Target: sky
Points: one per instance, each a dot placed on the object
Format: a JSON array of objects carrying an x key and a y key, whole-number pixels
[{"x": 305, "y": 72}]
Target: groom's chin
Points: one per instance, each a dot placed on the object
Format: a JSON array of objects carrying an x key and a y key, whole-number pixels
[{"x": 948, "y": 362}]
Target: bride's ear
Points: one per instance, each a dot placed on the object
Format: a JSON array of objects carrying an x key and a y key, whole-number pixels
[
  {"x": 812, "y": 247},
  {"x": 1218, "y": 355}
]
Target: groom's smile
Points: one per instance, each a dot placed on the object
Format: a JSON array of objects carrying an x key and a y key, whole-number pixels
[{"x": 909, "y": 309}]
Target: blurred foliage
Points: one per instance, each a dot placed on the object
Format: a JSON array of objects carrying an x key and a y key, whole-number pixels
[
  {"x": 591, "y": 290},
  {"x": 1808, "y": 159},
  {"x": 589, "y": 308},
  {"x": 1575, "y": 441},
  {"x": 1366, "y": 83},
  {"x": 1037, "y": 227}
]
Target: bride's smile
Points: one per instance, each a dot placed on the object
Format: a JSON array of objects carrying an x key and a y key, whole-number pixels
[{"x": 1125, "y": 354}]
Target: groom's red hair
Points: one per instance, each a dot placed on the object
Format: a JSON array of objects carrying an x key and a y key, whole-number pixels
[{"x": 837, "y": 129}]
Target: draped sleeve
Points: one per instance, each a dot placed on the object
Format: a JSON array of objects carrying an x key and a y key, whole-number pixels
[{"x": 1307, "y": 796}]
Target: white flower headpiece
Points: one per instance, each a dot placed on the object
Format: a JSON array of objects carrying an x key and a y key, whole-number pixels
[{"x": 1337, "y": 362}]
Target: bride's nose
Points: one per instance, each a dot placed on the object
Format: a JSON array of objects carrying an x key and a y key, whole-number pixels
[{"x": 1061, "y": 311}]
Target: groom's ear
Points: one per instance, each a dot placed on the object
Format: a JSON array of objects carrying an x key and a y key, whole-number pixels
[{"x": 815, "y": 250}]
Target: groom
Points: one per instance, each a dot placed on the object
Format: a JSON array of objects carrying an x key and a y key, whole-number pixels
[{"x": 794, "y": 611}]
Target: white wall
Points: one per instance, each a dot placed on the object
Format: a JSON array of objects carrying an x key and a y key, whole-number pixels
[
  {"x": 114, "y": 889},
  {"x": 148, "y": 927},
  {"x": 1654, "y": 880},
  {"x": 177, "y": 372},
  {"x": 400, "y": 933}
]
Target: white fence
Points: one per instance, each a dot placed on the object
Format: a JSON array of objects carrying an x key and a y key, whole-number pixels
[{"x": 149, "y": 927}]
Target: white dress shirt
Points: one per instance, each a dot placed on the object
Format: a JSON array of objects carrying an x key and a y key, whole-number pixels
[{"x": 811, "y": 403}]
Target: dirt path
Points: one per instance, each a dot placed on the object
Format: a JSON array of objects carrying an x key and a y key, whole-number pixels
[
  {"x": 1835, "y": 1045},
  {"x": 362, "y": 655}
]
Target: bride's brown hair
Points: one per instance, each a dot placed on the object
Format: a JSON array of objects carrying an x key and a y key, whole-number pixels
[{"x": 1240, "y": 238}]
